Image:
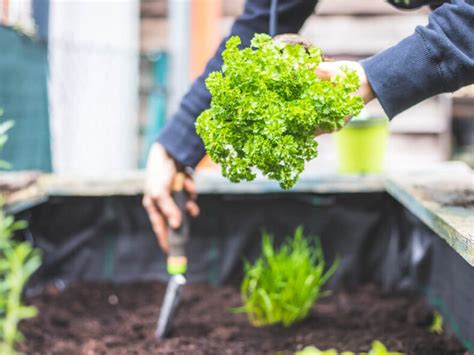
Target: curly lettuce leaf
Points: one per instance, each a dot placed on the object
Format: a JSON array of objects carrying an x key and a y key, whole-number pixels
[{"x": 267, "y": 104}]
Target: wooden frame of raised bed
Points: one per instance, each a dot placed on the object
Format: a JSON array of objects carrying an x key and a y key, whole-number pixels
[{"x": 437, "y": 203}]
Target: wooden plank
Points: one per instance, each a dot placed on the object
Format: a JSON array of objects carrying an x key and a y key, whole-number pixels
[
  {"x": 430, "y": 116},
  {"x": 338, "y": 35},
  {"x": 232, "y": 8},
  {"x": 209, "y": 182},
  {"x": 366, "y": 7},
  {"x": 153, "y": 35},
  {"x": 444, "y": 201},
  {"x": 17, "y": 180},
  {"x": 23, "y": 204},
  {"x": 333, "y": 7},
  {"x": 310, "y": 182},
  {"x": 404, "y": 152},
  {"x": 411, "y": 151},
  {"x": 344, "y": 35},
  {"x": 359, "y": 35},
  {"x": 463, "y": 107},
  {"x": 153, "y": 8}
]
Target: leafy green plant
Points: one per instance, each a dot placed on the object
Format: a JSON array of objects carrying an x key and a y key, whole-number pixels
[
  {"x": 4, "y": 127},
  {"x": 18, "y": 261},
  {"x": 377, "y": 349},
  {"x": 437, "y": 323},
  {"x": 266, "y": 106},
  {"x": 282, "y": 285}
]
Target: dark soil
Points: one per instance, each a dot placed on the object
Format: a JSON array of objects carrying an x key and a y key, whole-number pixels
[{"x": 100, "y": 318}]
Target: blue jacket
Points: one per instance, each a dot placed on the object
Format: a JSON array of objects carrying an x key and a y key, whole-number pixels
[{"x": 434, "y": 59}]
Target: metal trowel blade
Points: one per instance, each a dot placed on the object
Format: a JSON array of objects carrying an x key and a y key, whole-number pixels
[{"x": 170, "y": 303}]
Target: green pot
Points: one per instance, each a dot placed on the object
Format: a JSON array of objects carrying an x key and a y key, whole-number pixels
[{"x": 361, "y": 146}]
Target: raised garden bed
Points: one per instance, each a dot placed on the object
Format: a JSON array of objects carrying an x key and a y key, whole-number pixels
[
  {"x": 100, "y": 231},
  {"x": 99, "y": 318}
]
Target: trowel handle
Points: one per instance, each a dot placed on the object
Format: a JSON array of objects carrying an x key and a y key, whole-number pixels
[{"x": 177, "y": 261}]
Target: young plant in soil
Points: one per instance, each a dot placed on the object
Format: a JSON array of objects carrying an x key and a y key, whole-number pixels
[
  {"x": 283, "y": 285},
  {"x": 267, "y": 104},
  {"x": 4, "y": 127},
  {"x": 18, "y": 261},
  {"x": 377, "y": 349}
]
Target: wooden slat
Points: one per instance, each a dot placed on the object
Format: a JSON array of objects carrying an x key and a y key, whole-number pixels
[
  {"x": 366, "y": 7},
  {"x": 335, "y": 35},
  {"x": 232, "y": 8},
  {"x": 153, "y": 35},
  {"x": 444, "y": 201},
  {"x": 333, "y": 7},
  {"x": 404, "y": 152},
  {"x": 463, "y": 107},
  {"x": 407, "y": 150},
  {"x": 355, "y": 36},
  {"x": 208, "y": 182},
  {"x": 430, "y": 116},
  {"x": 359, "y": 35},
  {"x": 153, "y": 8},
  {"x": 14, "y": 181}
]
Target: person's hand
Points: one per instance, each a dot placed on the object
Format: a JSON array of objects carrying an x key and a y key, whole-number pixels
[
  {"x": 158, "y": 202},
  {"x": 329, "y": 70}
]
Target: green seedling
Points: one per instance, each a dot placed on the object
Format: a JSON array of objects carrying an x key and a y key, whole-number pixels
[
  {"x": 18, "y": 261},
  {"x": 283, "y": 285},
  {"x": 267, "y": 104},
  {"x": 437, "y": 324},
  {"x": 377, "y": 349},
  {"x": 4, "y": 127}
]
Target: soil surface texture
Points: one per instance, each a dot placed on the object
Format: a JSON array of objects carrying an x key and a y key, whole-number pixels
[{"x": 104, "y": 318}]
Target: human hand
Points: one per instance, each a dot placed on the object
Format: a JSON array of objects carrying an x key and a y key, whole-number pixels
[
  {"x": 158, "y": 202},
  {"x": 329, "y": 70}
]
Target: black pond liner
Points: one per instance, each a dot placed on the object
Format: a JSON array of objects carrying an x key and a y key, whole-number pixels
[{"x": 376, "y": 238}]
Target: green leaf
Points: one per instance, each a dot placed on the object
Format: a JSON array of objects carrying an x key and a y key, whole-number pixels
[
  {"x": 437, "y": 324},
  {"x": 5, "y": 126},
  {"x": 18, "y": 261}
]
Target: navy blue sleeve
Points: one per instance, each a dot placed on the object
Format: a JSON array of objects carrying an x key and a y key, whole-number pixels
[
  {"x": 179, "y": 135},
  {"x": 437, "y": 58}
]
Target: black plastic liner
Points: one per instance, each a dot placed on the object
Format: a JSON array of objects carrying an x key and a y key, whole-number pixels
[{"x": 375, "y": 238}]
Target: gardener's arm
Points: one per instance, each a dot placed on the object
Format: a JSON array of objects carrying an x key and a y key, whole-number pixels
[
  {"x": 178, "y": 143},
  {"x": 437, "y": 58},
  {"x": 179, "y": 136}
]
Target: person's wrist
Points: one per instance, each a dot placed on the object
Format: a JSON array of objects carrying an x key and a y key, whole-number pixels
[
  {"x": 167, "y": 156},
  {"x": 367, "y": 93}
]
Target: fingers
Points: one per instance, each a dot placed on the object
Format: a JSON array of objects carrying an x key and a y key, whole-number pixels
[
  {"x": 190, "y": 187},
  {"x": 192, "y": 208},
  {"x": 191, "y": 205},
  {"x": 157, "y": 222},
  {"x": 328, "y": 70},
  {"x": 158, "y": 201},
  {"x": 169, "y": 209}
]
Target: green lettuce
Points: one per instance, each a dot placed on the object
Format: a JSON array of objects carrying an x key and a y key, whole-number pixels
[{"x": 267, "y": 104}]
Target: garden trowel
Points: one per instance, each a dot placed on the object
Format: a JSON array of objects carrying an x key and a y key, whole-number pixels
[{"x": 176, "y": 262}]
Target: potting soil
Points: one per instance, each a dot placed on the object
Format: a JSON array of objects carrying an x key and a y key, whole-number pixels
[
  {"x": 107, "y": 318},
  {"x": 375, "y": 238}
]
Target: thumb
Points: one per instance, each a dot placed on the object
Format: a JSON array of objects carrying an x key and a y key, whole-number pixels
[{"x": 327, "y": 70}]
